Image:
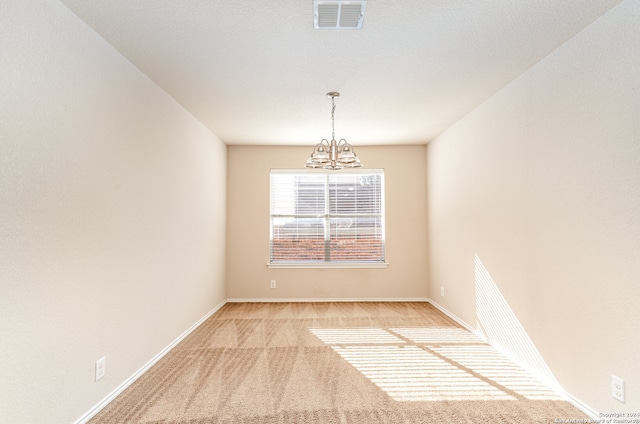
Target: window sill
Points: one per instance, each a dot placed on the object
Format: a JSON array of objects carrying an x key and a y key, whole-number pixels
[{"x": 329, "y": 265}]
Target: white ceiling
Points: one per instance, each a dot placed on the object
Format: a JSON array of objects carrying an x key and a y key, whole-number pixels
[{"x": 256, "y": 72}]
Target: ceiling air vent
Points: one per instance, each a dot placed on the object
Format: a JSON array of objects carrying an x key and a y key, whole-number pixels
[{"x": 344, "y": 14}]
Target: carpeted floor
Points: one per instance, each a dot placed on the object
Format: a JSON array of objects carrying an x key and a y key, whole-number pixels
[{"x": 334, "y": 362}]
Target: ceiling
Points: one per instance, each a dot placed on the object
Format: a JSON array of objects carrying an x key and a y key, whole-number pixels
[{"x": 256, "y": 71}]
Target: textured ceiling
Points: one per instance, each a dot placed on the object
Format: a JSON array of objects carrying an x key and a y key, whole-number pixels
[{"x": 256, "y": 72}]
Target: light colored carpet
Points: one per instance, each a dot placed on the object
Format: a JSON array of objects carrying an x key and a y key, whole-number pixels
[{"x": 334, "y": 362}]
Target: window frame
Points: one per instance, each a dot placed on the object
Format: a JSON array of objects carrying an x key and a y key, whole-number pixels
[{"x": 328, "y": 216}]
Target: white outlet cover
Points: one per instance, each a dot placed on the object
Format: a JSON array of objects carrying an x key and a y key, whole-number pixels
[
  {"x": 617, "y": 388},
  {"x": 101, "y": 368}
]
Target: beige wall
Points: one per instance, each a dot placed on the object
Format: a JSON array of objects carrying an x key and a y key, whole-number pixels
[
  {"x": 248, "y": 229},
  {"x": 112, "y": 216},
  {"x": 539, "y": 187}
]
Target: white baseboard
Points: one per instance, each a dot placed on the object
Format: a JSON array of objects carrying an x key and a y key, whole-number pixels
[
  {"x": 104, "y": 402},
  {"x": 456, "y": 319},
  {"x": 581, "y": 406},
  {"x": 323, "y": 299}
]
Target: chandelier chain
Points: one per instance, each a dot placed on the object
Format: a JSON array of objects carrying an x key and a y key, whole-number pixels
[{"x": 333, "y": 122}]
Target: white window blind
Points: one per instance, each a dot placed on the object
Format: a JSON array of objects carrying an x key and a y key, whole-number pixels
[{"x": 330, "y": 216}]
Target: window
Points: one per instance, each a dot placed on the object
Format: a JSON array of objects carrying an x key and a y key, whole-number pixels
[{"x": 320, "y": 217}]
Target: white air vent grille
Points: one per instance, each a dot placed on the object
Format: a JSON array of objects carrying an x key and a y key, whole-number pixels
[{"x": 345, "y": 14}]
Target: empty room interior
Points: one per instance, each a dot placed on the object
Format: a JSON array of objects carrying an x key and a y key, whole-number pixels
[{"x": 152, "y": 156}]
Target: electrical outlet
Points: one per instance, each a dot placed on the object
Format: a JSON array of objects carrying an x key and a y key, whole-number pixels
[
  {"x": 617, "y": 388},
  {"x": 273, "y": 284},
  {"x": 101, "y": 368},
  {"x": 441, "y": 291}
]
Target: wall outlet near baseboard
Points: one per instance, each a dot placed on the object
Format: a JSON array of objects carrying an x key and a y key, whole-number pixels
[
  {"x": 273, "y": 284},
  {"x": 441, "y": 291},
  {"x": 101, "y": 368},
  {"x": 617, "y": 388}
]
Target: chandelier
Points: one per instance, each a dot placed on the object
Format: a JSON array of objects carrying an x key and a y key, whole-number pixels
[{"x": 333, "y": 154}]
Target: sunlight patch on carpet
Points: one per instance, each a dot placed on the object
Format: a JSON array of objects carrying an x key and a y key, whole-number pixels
[
  {"x": 433, "y": 364},
  {"x": 352, "y": 336},
  {"x": 411, "y": 374},
  {"x": 437, "y": 335}
]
